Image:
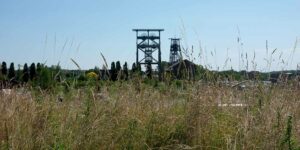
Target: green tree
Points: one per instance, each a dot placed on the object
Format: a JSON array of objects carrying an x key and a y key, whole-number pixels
[
  {"x": 4, "y": 68},
  {"x": 133, "y": 68},
  {"x": 118, "y": 66},
  {"x": 118, "y": 69},
  {"x": 38, "y": 68},
  {"x": 113, "y": 71},
  {"x": 11, "y": 71},
  {"x": 125, "y": 70},
  {"x": 25, "y": 76},
  {"x": 45, "y": 78},
  {"x": 32, "y": 71}
]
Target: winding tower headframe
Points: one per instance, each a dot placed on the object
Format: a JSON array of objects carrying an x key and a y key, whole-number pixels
[
  {"x": 148, "y": 43},
  {"x": 175, "y": 50}
]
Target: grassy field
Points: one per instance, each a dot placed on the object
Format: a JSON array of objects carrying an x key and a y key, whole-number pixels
[{"x": 154, "y": 115}]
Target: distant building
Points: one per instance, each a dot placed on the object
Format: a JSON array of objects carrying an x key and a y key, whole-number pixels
[
  {"x": 184, "y": 69},
  {"x": 253, "y": 75},
  {"x": 283, "y": 76}
]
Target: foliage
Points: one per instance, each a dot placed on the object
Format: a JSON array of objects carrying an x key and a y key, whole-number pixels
[
  {"x": 25, "y": 77},
  {"x": 45, "y": 81},
  {"x": 118, "y": 70},
  {"x": 113, "y": 72},
  {"x": 4, "y": 68},
  {"x": 32, "y": 71},
  {"x": 92, "y": 75},
  {"x": 288, "y": 137},
  {"x": 38, "y": 67},
  {"x": 118, "y": 66},
  {"x": 125, "y": 71},
  {"x": 11, "y": 71},
  {"x": 133, "y": 68}
]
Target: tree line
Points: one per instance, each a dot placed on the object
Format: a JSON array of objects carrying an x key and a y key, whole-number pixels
[
  {"x": 44, "y": 76},
  {"x": 24, "y": 75},
  {"x": 37, "y": 74}
]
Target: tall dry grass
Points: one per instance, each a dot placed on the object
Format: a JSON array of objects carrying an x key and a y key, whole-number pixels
[{"x": 134, "y": 115}]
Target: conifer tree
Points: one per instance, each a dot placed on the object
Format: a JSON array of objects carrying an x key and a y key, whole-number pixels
[
  {"x": 11, "y": 71},
  {"x": 133, "y": 68},
  {"x": 4, "y": 68},
  {"x": 118, "y": 66},
  {"x": 38, "y": 68},
  {"x": 125, "y": 70},
  {"x": 118, "y": 69},
  {"x": 25, "y": 76},
  {"x": 113, "y": 72},
  {"x": 32, "y": 71}
]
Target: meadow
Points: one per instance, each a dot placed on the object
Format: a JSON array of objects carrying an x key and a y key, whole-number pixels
[{"x": 147, "y": 114}]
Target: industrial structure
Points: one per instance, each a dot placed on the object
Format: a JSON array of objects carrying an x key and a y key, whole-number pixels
[
  {"x": 175, "y": 51},
  {"x": 148, "y": 43},
  {"x": 178, "y": 67}
]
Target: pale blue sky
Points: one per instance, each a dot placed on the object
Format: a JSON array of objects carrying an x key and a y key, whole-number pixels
[{"x": 57, "y": 30}]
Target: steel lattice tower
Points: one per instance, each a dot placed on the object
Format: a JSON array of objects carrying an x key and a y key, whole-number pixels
[
  {"x": 175, "y": 50},
  {"x": 148, "y": 42}
]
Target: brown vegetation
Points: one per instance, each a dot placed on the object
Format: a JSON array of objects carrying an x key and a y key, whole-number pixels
[{"x": 134, "y": 115}]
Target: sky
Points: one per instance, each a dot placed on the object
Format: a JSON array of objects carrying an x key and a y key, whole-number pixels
[{"x": 54, "y": 31}]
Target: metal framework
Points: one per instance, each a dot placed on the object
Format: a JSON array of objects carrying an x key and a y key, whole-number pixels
[
  {"x": 175, "y": 50},
  {"x": 148, "y": 42}
]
